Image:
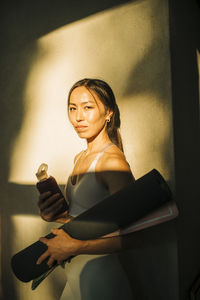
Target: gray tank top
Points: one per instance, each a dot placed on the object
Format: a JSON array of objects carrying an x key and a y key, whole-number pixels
[{"x": 87, "y": 191}]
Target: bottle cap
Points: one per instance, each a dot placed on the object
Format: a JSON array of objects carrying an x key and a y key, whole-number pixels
[{"x": 42, "y": 172}]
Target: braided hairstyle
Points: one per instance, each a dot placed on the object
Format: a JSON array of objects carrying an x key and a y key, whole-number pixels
[{"x": 106, "y": 95}]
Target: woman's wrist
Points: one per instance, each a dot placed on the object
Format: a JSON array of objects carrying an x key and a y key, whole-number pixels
[
  {"x": 98, "y": 246},
  {"x": 80, "y": 247}
]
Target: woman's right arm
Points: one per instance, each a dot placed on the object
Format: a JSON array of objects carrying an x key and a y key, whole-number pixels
[{"x": 51, "y": 205}]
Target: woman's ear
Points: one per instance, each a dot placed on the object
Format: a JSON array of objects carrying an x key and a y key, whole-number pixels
[{"x": 109, "y": 116}]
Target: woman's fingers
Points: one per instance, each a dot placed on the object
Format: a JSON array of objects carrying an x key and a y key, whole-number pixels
[
  {"x": 60, "y": 247},
  {"x": 53, "y": 211},
  {"x": 43, "y": 196},
  {"x": 50, "y": 261},
  {"x": 55, "y": 207},
  {"x": 50, "y": 206},
  {"x": 47, "y": 253},
  {"x": 42, "y": 257},
  {"x": 45, "y": 202}
]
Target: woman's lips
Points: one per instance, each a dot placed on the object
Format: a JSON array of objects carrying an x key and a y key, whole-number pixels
[{"x": 80, "y": 127}]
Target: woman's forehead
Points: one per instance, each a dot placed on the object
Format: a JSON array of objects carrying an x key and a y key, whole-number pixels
[{"x": 82, "y": 95}]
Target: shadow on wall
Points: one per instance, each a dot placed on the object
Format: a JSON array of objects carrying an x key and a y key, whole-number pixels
[{"x": 185, "y": 42}]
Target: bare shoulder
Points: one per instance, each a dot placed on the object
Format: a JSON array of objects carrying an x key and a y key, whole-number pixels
[
  {"x": 113, "y": 170},
  {"x": 114, "y": 159}
]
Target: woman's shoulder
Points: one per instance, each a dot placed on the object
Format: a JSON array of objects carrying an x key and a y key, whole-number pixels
[
  {"x": 114, "y": 159},
  {"x": 113, "y": 170}
]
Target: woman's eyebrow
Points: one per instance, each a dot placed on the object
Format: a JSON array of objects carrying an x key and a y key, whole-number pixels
[{"x": 82, "y": 102}]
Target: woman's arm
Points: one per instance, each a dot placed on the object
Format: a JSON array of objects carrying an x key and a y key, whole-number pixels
[{"x": 63, "y": 246}]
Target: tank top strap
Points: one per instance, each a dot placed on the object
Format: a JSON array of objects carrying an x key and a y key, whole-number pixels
[{"x": 93, "y": 164}]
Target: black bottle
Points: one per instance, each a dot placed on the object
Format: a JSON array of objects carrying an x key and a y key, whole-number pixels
[{"x": 48, "y": 183}]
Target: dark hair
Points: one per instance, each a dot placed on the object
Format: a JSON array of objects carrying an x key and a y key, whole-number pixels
[{"x": 106, "y": 95}]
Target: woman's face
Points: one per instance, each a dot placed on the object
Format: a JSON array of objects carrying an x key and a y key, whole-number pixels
[{"x": 87, "y": 113}]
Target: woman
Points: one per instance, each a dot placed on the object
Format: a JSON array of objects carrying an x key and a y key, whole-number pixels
[{"x": 99, "y": 171}]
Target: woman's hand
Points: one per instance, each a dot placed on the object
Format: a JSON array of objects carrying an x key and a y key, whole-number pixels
[
  {"x": 50, "y": 207},
  {"x": 60, "y": 248}
]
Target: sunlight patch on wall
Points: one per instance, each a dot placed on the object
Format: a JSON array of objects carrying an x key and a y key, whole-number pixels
[
  {"x": 108, "y": 45},
  {"x": 148, "y": 144},
  {"x": 32, "y": 227}
]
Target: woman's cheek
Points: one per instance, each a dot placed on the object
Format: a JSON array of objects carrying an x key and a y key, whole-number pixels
[
  {"x": 92, "y": 117},
  {"x": 95, "y": 115},
  {"x": 72, "y": 118}
]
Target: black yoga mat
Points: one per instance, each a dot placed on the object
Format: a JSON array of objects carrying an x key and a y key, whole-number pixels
[{"x": 114, "y": 212}]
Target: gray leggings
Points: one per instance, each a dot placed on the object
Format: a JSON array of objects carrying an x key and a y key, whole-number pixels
[{"x": 99, "y": 277}]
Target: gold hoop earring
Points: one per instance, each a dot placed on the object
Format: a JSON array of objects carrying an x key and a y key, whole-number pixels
[{"x": 108, "y": 120}]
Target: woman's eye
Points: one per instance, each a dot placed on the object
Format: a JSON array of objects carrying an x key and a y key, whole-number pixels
[
  {"x": 71, "y": 108},
  {"x": 88, "y": 107}
]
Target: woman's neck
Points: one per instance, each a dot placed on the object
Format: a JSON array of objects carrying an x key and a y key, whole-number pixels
[{"x": 98, "y": 143}]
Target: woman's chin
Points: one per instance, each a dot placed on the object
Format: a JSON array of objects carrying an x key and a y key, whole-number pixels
[{"x": 82, "y": 135}]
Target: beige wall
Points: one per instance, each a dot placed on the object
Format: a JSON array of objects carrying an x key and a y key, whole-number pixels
[{"x": 128, "y": 46}]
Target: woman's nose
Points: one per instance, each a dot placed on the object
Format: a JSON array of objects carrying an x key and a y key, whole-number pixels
[{"x": 79, "y": 115}]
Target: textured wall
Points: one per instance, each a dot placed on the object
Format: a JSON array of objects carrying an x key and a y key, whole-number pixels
[{"x": 128, "y": 46}]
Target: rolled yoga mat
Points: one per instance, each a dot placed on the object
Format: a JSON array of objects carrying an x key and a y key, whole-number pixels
[{"x": 114, "y": 212}]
